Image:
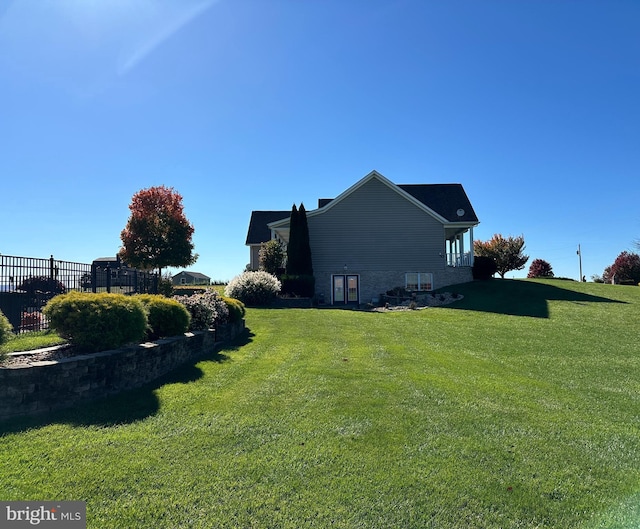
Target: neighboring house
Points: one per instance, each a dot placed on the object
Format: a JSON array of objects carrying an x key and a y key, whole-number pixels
[
  {"x": 118, "y": 271},
  {"x": 190, "y": 278},
  {"x": 378, "y": 235}
]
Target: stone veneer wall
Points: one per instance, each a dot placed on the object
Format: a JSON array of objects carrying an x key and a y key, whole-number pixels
[
  {"x": 375, "y": 283},
  {"x": 48, "y": 385}
]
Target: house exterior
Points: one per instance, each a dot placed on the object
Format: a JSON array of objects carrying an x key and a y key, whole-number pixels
[
  {"x": 190, "y": 278},
  {"x": 260, "y": 232},
  {"x": 119, "y": 272},
  {"x": 377, "y": 235}
]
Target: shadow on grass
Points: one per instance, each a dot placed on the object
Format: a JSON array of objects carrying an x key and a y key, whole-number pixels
[
  {"x": 519, "y": 297},
  {"x": 129, "y": 406}
]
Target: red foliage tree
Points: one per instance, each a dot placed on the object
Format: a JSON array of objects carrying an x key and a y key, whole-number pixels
[
  {"x": 626, "y": 268},
  {"x": 157, "y": 233},
  {"x": 540, "y": 268}
]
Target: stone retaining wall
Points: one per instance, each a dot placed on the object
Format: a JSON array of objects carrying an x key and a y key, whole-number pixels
[{"x": 48, "y": 385}]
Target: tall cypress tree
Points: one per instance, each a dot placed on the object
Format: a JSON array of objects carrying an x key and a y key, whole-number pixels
[
  {"x": 294, "y": 243},
  {"x": 299, "y": 278},
  {"x": 306, "y": 265}
]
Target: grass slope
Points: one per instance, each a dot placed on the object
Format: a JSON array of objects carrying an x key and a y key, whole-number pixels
[{"x": 515, "y": 407}]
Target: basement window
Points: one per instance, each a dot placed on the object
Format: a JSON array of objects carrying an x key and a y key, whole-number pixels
[{"x": 418, "y": 281}]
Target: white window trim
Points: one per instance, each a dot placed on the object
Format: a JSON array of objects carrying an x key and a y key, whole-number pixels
[{"x": 425, "y": 279}]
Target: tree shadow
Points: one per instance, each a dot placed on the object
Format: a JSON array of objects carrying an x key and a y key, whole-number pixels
[
  {"x": 519, "y": 298},
  {"x": 131, "y": 405}
]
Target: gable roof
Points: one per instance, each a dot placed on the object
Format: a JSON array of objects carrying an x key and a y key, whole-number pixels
[
  {"x": 444, "y": 199},
  {"x": 197, "y": 275},
  {"x": 259, "y": 231}
]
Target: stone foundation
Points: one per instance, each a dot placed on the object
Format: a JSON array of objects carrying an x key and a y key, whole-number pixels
[
  {"x": 48, "y": 385},
  {"x": 374, "y": 283}
]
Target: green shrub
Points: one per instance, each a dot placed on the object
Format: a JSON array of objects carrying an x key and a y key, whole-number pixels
[
  {"x": 165, "y": 287},
  {"x": 254, "y": 288},
  {"x": 6, "y": 332},
  {"x": 206, "y": 308},
  {"x": 167, "y": 317},
  {"x": 298, "y": 285},
  {"x": 236, "y": 308},
  {"x": 483, "y": 267},
  {"x": 97, "y": 322}
]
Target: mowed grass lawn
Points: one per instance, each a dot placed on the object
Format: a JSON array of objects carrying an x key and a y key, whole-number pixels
[{"x": 517, "y": 407}]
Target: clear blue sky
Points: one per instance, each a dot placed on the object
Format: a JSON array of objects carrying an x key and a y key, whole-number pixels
[{"x": 532, "y": 105}]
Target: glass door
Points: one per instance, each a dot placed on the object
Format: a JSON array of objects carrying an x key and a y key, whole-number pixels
[
  {"x": 345, "y": 289},
  {"x": 338, "y": 289}
]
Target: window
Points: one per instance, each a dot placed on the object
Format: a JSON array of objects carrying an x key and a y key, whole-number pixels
[{"x": 417, "y": 281}]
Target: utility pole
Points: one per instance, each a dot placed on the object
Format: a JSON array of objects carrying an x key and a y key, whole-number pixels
[{"x": 579, "y": 252}]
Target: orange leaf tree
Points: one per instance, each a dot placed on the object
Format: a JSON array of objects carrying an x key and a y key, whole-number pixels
[
  {"x": 506, "y": 252},
  {"x": 157, "y": 233}
]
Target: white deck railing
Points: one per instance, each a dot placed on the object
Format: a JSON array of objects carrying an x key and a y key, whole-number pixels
[{"x": 459, "y": 259}]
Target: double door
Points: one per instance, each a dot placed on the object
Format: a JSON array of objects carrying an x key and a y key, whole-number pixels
[{"x": 345, "y": 289}]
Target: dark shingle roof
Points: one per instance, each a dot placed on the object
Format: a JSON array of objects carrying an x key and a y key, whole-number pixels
[
  {"x": 197, "y": 275},
  {"x": 444, "y": 199},
  {"x": 258, "y": 230}
]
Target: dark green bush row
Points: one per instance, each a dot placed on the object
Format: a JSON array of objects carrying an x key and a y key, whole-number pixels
[
  {"x": 298, "y": 285},
  {"x": 6, "y": 331},
  {"x": 97, "y": 322},
  {"x": 166, "y": 316},
  {"x": 236, "y": 308}
]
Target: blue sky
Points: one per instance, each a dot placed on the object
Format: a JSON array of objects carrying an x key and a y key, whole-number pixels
[{"x": 532, "y": 105}]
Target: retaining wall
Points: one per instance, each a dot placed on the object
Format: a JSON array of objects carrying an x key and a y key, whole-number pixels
[{"x": 48, "y": 385}]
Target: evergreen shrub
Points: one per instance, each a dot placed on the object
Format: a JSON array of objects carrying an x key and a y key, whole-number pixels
[
  {"x": 236, "y": 308},
  {"x": 6, "y": 332},
  {"x": 483, "y": 267},
  {"x": 254, "y": 288},
  {"x": 167, "y": 317},
  {"x": 298, "y": 285},
  {"x": 97, "y": 322}
]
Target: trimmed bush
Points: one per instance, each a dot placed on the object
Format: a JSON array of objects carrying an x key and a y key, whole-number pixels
[
  {"x": 254, "y": 288},
  {"x": 167, "y": 317},
  {"x": 207, "y": 309},
  {"x": 97, "y": 322},
  {"x": 6, "y": 332},
  {"x": 483, "y": 267},
  {"x": 236, "y": 308},
  {"x": 298, "y": 285}
]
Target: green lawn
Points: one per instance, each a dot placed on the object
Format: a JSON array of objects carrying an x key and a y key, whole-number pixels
[
  {"x": 30, "y": 340},
  {"x": 517, "y": 407}
]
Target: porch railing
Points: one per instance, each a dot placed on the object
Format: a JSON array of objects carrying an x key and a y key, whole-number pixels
[{"x": 459, "y": 259}]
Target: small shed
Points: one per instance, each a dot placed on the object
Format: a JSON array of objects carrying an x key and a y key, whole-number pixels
[{"x": 190, "y": 278}]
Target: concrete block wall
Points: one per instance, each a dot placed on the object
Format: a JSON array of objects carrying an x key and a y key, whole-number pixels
[{"x": 48, "y": 385}]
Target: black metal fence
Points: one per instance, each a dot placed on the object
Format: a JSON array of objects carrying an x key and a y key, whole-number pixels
[{"x": 27, "y": 284}]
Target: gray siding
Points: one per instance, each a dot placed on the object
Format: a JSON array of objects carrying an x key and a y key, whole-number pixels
[
  {"x": 254, "y": 257},
  {"x": 379, "y": 235},
  {"x": 375, "y": 229}
]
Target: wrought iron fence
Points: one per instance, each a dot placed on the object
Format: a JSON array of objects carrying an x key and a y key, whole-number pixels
[{"x": 28, "y": 283}]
